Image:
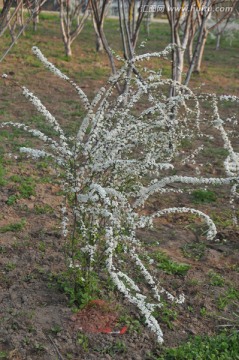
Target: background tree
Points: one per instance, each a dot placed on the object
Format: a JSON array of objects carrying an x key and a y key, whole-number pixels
[
  {"x": 219, "y": 18},
  {"x": 100, "y": 9},
  {"x": 131, "y": 14},
  {"x": 4, "y": 15},
  {"x": 73, "y": 14},
  {"x": 189, "y": 24},
  {"x": 11, "y": 16}
]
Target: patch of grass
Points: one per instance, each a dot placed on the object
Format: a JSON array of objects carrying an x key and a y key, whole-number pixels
[
  {"x": 3, "y": 355},
  {"x": 2, "y": 174},
  {"x": 80, "y": 291},
  {"x": 186, "y": 143},
  {"x": 48, "y": 16},
  {"x": 83, "y": 340},
  {"x": 10, "y": 266},
  {"x": 3, "y": 111},
  {"x": 43, "y": 209},
  {"x": 11, "y": 200},
  {"x": 168, "y": 265},
  {"x": 118, "y": 347},
  {"x": 3, "y": 249},
  {"x": 42, "y": 247},
  {"x": 16, "y": 178},
  {"x": 38, "y": 347},
  {"x": 27, "y": 190},
  {"x": 224, "y": 219},
  {"x": 203, "y": 312},
  {"x": 10, "y": 135},
  {"x": 194, "y": 250},
  {"x": 220, "y": 347},
  {"x": 230, "y": 295},
  {"x": 215, "y": 151},
  {"x": 231, "y": 322},
  {"x": 14, "y": 227},
  {"x": 167, "y": 316},
  {"x": 203, "y": 196},
  {"x": 43, "y": 164},
  {"x": 215, "y": 279},
  {"x": 55, "y": 329},
  {"x": 42, "y": 125}
]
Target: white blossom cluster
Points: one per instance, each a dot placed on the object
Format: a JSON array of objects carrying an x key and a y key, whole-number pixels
[{"x": 124, "y": 153}]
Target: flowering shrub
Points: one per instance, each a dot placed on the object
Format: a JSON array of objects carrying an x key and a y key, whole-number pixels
[{"x": 123, "y": 153}]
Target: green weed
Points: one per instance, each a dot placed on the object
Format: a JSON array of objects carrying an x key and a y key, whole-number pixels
[
  {"x": 220, "y": 347},
  {"x": 203, "y": 312},
  {"x": 43, "y": 209},
  {"x": 232, "y": 322},
  {"x": 2, "y": 174},
  {"x": 230, "y": 295},
  {"x": 38, "y": 347},
  {"x": 3, "y": 249},
  {"x": 215, "y": 279},
  {"x": 42, "y": 246},
  {"x": 78, "y": 289},
  {"x": 168, "y": 265},
  {"x": 215, "y": 152},
  {"x": 3, "y": 355},
  {"x": 12, "y": 200},
  {"x": 194, "y": 250},
  {"x": 26, "y": 188},
  {"x": 42, "y": 125},
  {"x": 9, "y": 266},
  {"x": 133, "y": 325},
  {"x": 56, "y": 329},
  {"x": 186, "y": 143},
  {"x": 224, "y": 219},
  {"x": 83, "y": 340},
  {"x": 203, "y": 196},
  {"x": 14, "y": 227},
  {"x": 118, "y": 347},
  {"x": 166, "y": 315}
]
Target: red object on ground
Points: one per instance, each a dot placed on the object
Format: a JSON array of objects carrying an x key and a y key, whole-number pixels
[{"x": 97, "y": 317}]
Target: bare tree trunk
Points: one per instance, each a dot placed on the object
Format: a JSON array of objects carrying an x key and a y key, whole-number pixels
[
  {"x": 98, "y": 41},
  {"x": 190, "y": 50},
  {"x": 68, "y": 50},
  {"x": 72, "y": 21},
  {"x": 218, "y": 41},
  {"x": 180, "y": 41},
  {"x": 191, "y": 38},
  {"x": 147, "y": 23},
  {"x": 99, "y": 44},
  {"x": 180, "y": 64},
  {"x": 198, "y": 63},
  {"x": 4, "y": 15},
  {"x": 36, "y": 15},
  {"x": 201, "y": 41}
]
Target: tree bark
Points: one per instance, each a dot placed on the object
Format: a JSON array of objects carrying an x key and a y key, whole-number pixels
[
  {"x": 218, "y": 41},
  {"x": 68, "y": 50},
  {"x": 198, "y": 64},
  {"x": 98, "y": 41}
]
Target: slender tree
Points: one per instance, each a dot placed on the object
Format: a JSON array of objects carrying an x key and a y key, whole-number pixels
[
  {"x": 189, "y": 27},
  {"x": 131, "y": 14},
  {"x": 100, "y": 8},
  {"x": 227, "y": 9},
  {"x": 73, "y": 14},
  {"x": 7, "y": 4}
]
